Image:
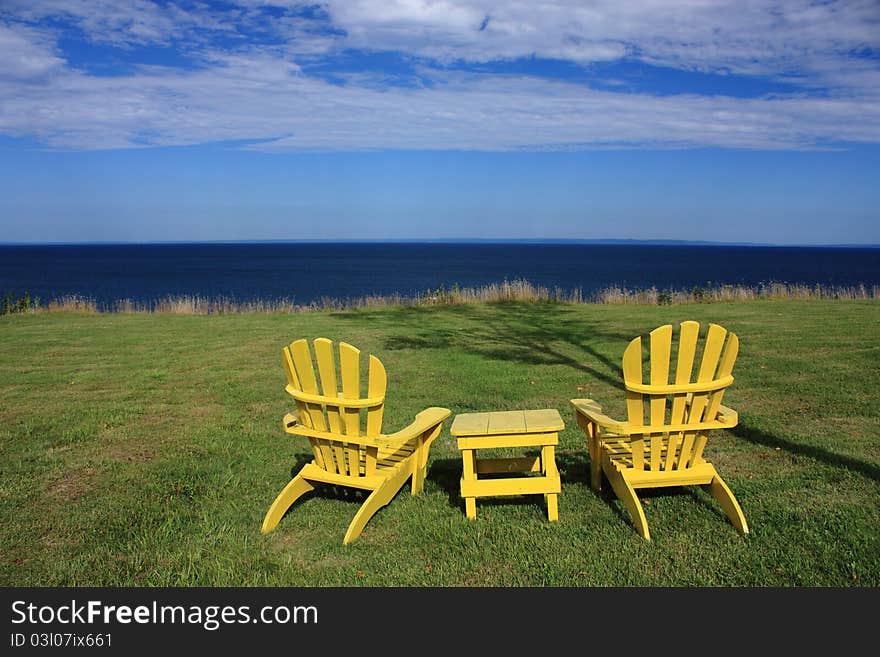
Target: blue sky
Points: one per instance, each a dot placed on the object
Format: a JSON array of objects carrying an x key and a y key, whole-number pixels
[{"x": 412, "y": 119}]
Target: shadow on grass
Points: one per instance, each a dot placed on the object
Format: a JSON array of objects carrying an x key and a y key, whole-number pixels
[
  {"x": 577, "y": 470},
  {"x": 580, "y": 472},
  {"x": 321, "y": 490},
  {"x": 446, "y": 473},
  {"x": 532, "y": 333},
  {"x": 573, "y": 471},
  {"x": 702, "y": 497},
  {"x": 760, "y": 437},
  {"x": 648, "y": 495}
]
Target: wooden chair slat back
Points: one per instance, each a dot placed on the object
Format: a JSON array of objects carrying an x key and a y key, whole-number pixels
[
  {"x": 695, "y": 398},
  {"x": 342, "y": 411}
]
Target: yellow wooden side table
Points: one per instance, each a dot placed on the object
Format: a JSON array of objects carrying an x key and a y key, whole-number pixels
[{"x": 509, "y": 429}]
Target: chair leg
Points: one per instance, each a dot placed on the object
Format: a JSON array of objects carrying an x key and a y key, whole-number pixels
[
  {"x": 595, "y": 473},
  {"x": 627, "y": 495},
  {"x": 297, "y": 487},
  {"x": 595, "y": 452},
  {"x": 377, "y": 499},
  {"x": 721, "y": 492},
  {"x": 418, "y": 478},
  {"x": 420, "y": 464}
]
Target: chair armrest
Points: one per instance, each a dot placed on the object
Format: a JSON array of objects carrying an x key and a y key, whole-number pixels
[
  {"x": 290, "y": 420},
  {"x": 727, "y": 417},
  {"x": 424, "y": 421},
  {"x": 593, "y": 412}
]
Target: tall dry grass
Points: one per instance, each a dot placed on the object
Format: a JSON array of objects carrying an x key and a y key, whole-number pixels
[
  {"x": 720, "y": 293},
  {"x": 514, "y": 290},
  {"x": 70, "y": 303}
]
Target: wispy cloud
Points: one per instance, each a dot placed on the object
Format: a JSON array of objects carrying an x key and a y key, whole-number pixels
[
  {"x": 27, "y": 55},
  {"x": 252, "y": 82},
  {"x": 762, "y": 38}
]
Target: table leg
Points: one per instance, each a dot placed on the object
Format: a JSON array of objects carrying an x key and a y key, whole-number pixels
[
  {"x": 552, "y": 507},
  {"x": 548, "y": 469},
  {"x": 470, "y": 474}
]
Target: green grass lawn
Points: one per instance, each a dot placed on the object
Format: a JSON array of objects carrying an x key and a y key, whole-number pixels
[{"x": 144, "y": 450}]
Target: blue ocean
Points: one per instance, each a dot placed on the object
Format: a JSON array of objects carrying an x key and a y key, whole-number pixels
[{"x": 305, "y": 272}]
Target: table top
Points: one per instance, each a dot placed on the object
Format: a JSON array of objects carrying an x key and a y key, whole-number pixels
[{"x": 506, "y": 422}]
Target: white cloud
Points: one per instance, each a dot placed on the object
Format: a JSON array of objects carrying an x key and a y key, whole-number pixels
[
  {"x": 252, "y": 91},
  {"x": 26, "y": 55},
  {"x": 106, "y": 21},
  {"x": 733, "y": 36},
  {"x": 266, "y": 98}
]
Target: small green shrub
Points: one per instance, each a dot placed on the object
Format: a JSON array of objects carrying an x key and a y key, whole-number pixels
[{"x": 21, "y": 304}]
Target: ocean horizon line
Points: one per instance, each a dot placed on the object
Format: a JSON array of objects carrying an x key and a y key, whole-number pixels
[{"x": 486, "y": 241}]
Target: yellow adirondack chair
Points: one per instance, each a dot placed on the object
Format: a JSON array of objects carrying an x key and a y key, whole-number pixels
[
  {"x": 345, "y": 431},
  {"x": 662, "y": 443}
]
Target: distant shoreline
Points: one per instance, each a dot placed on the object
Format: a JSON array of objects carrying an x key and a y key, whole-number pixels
[{"x": 488, "y": 241}]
